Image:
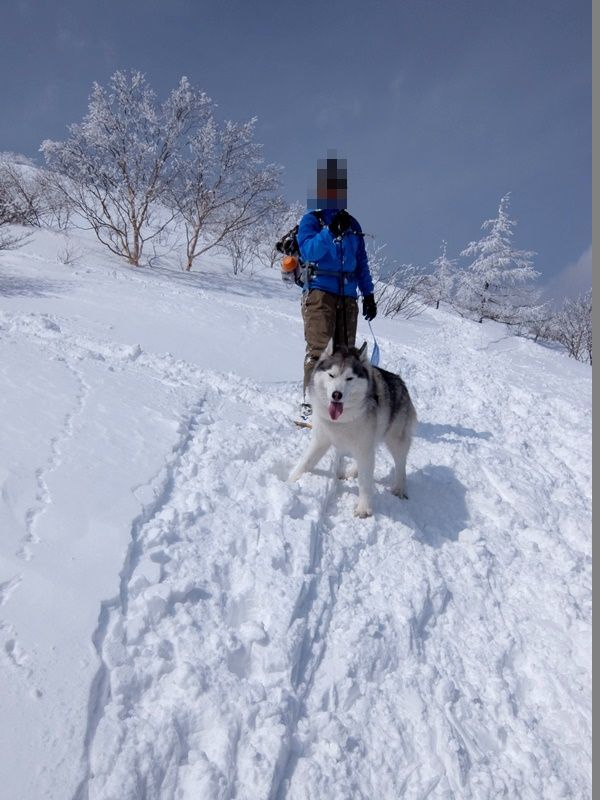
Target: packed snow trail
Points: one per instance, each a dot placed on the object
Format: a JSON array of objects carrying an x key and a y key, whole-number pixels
[
  {"x": 265, "y": 644},
  {"x": 195, "y": 654},
  {"x": 252, "y": 639}
]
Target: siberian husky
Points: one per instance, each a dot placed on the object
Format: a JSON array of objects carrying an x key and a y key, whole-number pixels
[{"x": 356, "y": 406}]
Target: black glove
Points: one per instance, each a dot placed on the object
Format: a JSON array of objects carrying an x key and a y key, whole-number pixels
[
  {"x": 369, "y": 307},
  {"x": 340, "y": 223}
]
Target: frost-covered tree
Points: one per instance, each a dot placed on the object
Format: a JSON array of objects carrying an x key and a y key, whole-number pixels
[
  {"x": 21, "y": 191},
  {"x": 438, "y": 285},
  {"x": 58, "y": 208},
  {"x": 116, "y": 164},
  {"x": 272, "y": 227},
  {"x": 19, "y": 201},
  {"x": 572, "y": 327},
  {"x": 537, "y": 323},
  {"x": 254, "y": 245},
  {"x": 242, "y": 247},
  {"x": 10, "y": 236},
  {"x": 398, "y": 287},
  {"x": 496, "y": 284},
  {"x": 223, "y": 187},
  {"x": 28, "y": 194}
]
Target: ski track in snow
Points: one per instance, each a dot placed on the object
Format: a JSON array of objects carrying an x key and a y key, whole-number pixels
[{"x": 265, "y": 644}]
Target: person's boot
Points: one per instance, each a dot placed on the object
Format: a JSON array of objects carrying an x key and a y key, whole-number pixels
[{"x": 305, "y": 412}]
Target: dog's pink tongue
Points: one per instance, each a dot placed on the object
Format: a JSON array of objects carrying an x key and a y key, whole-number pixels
[{"x": 335, "y": 409}]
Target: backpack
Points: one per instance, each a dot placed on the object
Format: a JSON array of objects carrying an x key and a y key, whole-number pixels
[
  {"x": 288, "y": 244},
  {"x": 293, "y": 268}
]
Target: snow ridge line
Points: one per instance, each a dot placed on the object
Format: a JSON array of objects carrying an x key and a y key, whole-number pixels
[
  {"x": 45, "y": 328},
  {"x": 99, "y": 691}
]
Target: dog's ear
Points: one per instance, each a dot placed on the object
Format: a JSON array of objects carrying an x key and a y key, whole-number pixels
[
  {"x": 363, "y": 354},
  {"x": 329, "y": 349}
]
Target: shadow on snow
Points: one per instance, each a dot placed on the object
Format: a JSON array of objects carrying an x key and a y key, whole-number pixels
[
  {"x": 448, "y": 433},
  {"x": 436, "y": 509},
  {"x": 17, "y": 286}
]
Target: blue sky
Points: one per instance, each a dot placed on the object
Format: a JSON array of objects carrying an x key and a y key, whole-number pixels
[{"x": 440, "y": 107}]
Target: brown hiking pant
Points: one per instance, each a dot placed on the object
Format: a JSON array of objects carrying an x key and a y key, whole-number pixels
[{"x": 323, "y": 316}]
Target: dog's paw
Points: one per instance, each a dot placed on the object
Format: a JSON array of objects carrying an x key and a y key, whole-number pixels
[
  {"x": 296, "y": 474},
  {"x": 363, "y": 511},
  {"x": 400, "y": 494}
]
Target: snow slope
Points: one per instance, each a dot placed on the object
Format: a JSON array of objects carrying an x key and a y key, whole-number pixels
[{"x": 177, "y": 621}]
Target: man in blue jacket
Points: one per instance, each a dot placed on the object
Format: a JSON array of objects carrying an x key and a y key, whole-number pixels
[{"x": 332, "y": 243}]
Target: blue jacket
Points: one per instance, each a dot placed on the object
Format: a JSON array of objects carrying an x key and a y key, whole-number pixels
[{"x": 345, "y": 259}]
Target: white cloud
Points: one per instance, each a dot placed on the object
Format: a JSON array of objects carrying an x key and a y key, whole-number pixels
[
  {"x": 573, "y": 279},
  {"x": 339, "y": 110}
]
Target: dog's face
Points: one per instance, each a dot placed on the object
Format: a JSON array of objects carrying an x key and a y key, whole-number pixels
[{"x": 340, "y": 380}]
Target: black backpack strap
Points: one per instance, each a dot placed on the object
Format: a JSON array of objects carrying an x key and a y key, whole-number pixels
[{"x": 318, "y": 213}]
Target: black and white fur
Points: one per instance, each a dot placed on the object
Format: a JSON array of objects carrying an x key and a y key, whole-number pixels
[{"x": 375, "y": 407}]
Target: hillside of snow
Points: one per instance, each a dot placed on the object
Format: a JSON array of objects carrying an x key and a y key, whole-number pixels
[{"x": 178, "y": 622}]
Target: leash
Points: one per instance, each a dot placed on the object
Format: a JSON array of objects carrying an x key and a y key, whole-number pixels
[
  {"x": 375, "y": 353},
  {"x": 342, "y": 296}
]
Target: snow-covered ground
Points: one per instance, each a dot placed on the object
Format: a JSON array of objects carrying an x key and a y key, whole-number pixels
[{"x": 178, "y": 621}]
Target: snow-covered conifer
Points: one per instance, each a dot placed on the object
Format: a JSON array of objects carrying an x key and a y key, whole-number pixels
[
  {"x": 495, "y": 285},
  {"x": 439, "y": 283}
]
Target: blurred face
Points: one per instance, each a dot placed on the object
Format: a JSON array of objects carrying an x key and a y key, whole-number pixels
[{"x": 332, "y": 184}]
